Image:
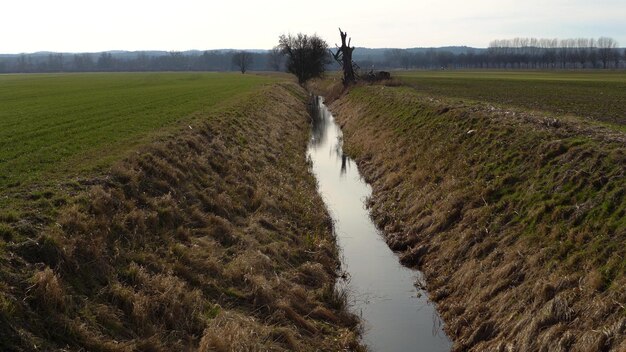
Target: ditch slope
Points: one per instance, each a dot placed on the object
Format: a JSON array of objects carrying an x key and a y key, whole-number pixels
[
  {"x": 517, "y": 220},
  {"x": 211, "y": 238}
]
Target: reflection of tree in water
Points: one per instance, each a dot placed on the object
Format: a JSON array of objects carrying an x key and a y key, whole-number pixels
[
  {"x": 321, "y": 120},
  {"x": 340, "y": 154},
  {"x": 344, "y": 163},
  {"x": 371, "y": 293}
]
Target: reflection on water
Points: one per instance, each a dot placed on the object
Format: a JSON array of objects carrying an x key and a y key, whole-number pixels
[
  {"x": 397, "y": 315},
  {"x": 344, "y": 160}
]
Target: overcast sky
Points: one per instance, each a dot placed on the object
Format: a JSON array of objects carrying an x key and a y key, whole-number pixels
[{"x": 84, "y": 26}]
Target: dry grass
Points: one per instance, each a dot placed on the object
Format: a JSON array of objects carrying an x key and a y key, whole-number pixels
[
  {"x": 517, "y": 221},
  {"x": 46, "y": 290},
  {"x": 201, "y": 240},
  {"x": 330, "y": 87},
  {"x": 234, "y": 332}
]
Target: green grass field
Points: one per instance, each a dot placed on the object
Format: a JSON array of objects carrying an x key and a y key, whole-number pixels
[
  {"x": 598, "y": 95},
  {"x": 65, "y": 124}
]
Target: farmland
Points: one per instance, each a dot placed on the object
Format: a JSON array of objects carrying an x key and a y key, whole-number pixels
[
  {"x": 594, "y": 95},
  {"x": 61, "y": 125},
  {"x": 174, "y": 211},
  {"x": 163, "y": 212},
  {"x": 514, "y": 213}
]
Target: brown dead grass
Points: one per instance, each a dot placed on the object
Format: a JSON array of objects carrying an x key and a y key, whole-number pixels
[
  {"x": 201, "y": 240},
  {"x": 516, "y": 221},
  {"x": 330, "y": 87},
  {"x": 46, "y": 290}
]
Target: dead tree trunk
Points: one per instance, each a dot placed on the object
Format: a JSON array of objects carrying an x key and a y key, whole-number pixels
[{"x": 344, "y": 57}]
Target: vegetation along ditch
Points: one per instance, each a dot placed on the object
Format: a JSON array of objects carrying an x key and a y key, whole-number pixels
[
  {"x": 183, "y": 214},
  {"x": 210, "y": 237},
  {"x": 516, "y": 219},
  {"x": 396, "y": 316},
  {"x": 258, "y": 188}
]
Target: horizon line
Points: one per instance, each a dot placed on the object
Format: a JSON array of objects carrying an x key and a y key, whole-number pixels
[{"x": 219, "y": 49}]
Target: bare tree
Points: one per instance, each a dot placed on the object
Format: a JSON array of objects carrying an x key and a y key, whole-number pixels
[
  {"x": 82, "y": 62},
  {"x": 106, "y": 62},
  {"x": 307, "y": 56},
  {"x": 344, "y": 57},
  {"x": 243, "y": 60},
  {"x": 606, "y": 49},
  {"x": 22, "y": 63},
  {"x": 55, "y": 62},
  {"x": 582, "y": 51},
  {"x": 275, "y": 59}
]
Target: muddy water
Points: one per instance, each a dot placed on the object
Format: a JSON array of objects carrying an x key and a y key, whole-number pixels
[{"x": 397, "y": 315}]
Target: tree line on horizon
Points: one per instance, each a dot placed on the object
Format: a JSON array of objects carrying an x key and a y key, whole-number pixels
[
  {"x": 517, "y": 53},
  {"x": 213, "y": 60},
  {"x": 564, "y": 53}
]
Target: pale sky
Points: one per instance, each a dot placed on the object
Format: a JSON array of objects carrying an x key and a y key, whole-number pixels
[{"x": 88, "y": 26}]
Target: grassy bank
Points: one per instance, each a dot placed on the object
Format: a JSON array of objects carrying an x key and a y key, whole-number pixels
[
  {"x": 516, "y": 219},
  {"x": 595, "y": 95},
  {"x": 208, "y": 236}
]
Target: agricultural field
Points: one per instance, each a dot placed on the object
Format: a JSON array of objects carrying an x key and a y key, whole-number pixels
[
  {"x": 596, "y": 95},
  {"x": 512, "y": 219},
  {"x": 65, "y": 124},
  {"x": 163, "y": 212}
]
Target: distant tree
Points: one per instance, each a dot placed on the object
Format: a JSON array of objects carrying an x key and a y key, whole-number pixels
[
  {"x": 397, "y": 58},
  {"x": 83, "y": 62},
  {"x": 22, "y": 64},
  {"x": 550, "y": 46},
  {"x": 307, "y": 56},
  {"x": 582, "y": 51},
  {"x": 242, "y": 60},
  {"x": 55, "y": 62},
  {"x": 176, "y": 61},
  {"x": 275, "y": 59},
  {"x": 617, "y": 57},
  {"x": 593, "y": 53},
  {"x": 444, "y": 59},
  {"x": 142, "y": 62},
  {"x": 106, "y": 62},
  {"x": 606, "y": 48}
]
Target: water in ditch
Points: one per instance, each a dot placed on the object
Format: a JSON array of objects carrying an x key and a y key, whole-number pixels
[{"x": 397, "y": 316}]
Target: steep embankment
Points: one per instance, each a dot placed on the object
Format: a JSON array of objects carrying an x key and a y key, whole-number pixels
[
  {"x": 213, "y": 238},
  {"x": 518, "y": 221}
]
